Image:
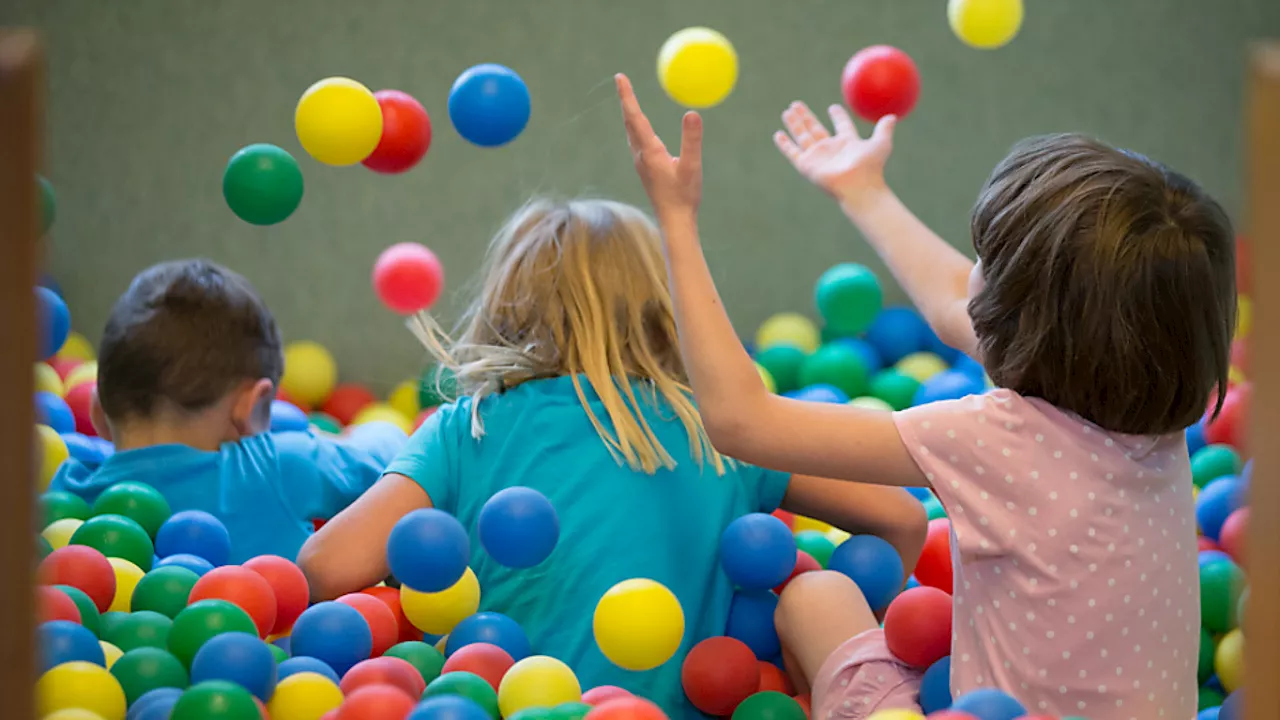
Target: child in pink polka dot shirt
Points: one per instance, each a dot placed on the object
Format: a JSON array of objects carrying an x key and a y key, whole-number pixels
[{"x": 1102, "y": 306}]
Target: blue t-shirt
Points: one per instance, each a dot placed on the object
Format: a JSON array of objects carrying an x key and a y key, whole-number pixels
[
  {"x": 266, "y": 489},
  {"x": 615, "y": 523}
]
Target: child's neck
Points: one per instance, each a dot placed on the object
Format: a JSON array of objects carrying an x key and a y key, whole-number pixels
[{"x": 200, "y": 432}]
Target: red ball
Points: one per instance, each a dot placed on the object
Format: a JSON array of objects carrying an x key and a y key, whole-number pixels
[
  {"x": 786, "y": 517},
  {"x": 1203, "y": 543},
  {"x": 773, "y": 679},
  {"x": 603, "y": 693},
  {"x": 63, "y": 366},
  {"x": 289, "y": 586},
  {"x": 719, "y": 673},
  {"x": 391, "y": 598},
  {"x": 407, "y": 278},
  {"x": 382, "y": 622},
  {"x": 82, "y": 567},
  {"x": 951, "y": 715},
  {"x": 488, "y": 661},
  {"x": 347, "y": 400},
  {"x": 1234, "y": 536},
  {"x": 881, "y": 80},
  {"x": 804, "y": 703},
  {"x": 917, "y": 626},
  {"x": 422, "y": 417},
  {"x": 933, "y": 569},
  {"x": 406, "y": 133},
  {"x": 243, "y": 588},
  {"x": 53, "y": 604},
  {"x": 392, "y": 671},
  {"x": 80, "y": 400},
  {"x": 376, "y": 702},
  {"x": 286, "y": 397},
  {"x": 262, "y": 709},
  {"x": 804, "y": 563},
  {"x": 1240, "y": 354},
  {"x": 1230, "y": 425},
  {"x": 626, "y": 708}
]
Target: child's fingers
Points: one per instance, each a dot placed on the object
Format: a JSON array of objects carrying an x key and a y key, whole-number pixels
[
  {"x": 841, "y": 121},
  {"x": 812, "y": 125},
  {"x": 639, "y": 131},
  {"x": 786, "y": 145},
  {"x": 691, "y": 141},
  {"x": 800, "y": 129}
]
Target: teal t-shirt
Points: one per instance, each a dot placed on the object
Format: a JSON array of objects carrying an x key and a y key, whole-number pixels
[{"x": 615, "y": 523}]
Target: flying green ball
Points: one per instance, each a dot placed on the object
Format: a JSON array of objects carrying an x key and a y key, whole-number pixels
[{"x": 262, "y": 184}]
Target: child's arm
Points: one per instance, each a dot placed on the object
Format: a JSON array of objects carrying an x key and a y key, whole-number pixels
[
  {"x": 742, "y": 418},
  {"x": 858, "y": 509}
]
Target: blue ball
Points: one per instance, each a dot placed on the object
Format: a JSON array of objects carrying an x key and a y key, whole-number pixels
[
  {"x": 55, "y": 322},
  {"x": 84, "y": 448},
  {"x": 284, "y": 643},
  {"x": 972, "y": 368},
  {"x": 448, "y": 707},
  {"x": 1217, "y": 501},
  {"x": 1213, "y": 713},
  {"x": 1195, "y": 438},
  {"x": 1207, "y": 557},
  {"x": 757, "y": 551},
  {"x": 492, "y": 628},
  {"x": 1231, "y": 706},
  {"x": 489, "y": 105},
  {"x": 518, "y": 527},
  {"x": 989, "y": 704},
  {"x": 238, "y": 658},
  {"x": 48, "y": 281},
  {"x": 334, "y": 633},
  {"x": 751, "y": 621},
  {"x": 934, "y": 344},
  {"x": 154, "y": 704},
  {"x": 295, "y": 665},
  {"x": 870, "y": 356},
  {"x": 947, "y": 385},
  {"x": 819, "y": 393},
  {"x": 912, "y": 582},
  {"x": 873, "y": 565},
  {"x": 920, "y": 493},
  {"x": 1247, "y": 474},
  {"x": 935, "y": 686},
  {"x": 428, "y": 550},
  {"x": 63, "y": 641},
  {"x": 53, "y": 411},
  {"x": 195, "y": 532},
  {"x": 197, "y": 565},
  {"x": 286, "y": 417},
  {"x": 897, "y": 332}
]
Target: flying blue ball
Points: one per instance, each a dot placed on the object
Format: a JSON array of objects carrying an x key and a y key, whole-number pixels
[
  {"x": 194, "y": 532},
  {"x": 428, "y": 550},
  {"x": 492, "y": 628},
  {"x": 287, "y": 417},
  {"x": 238, "y": 658},
  {"x": 55, "y": 322},
  {"x": 334, "y": 633},
  {"x": 897, "y": 332},
  {"x": 518, "y": 527},
  {"x": 947, "y": 385},
  {"x": 62, "y": 641},
  {"x": 873, "y": 565},
  {"x": 1217, "y": 501},
  {"x": 935, "y": 686},
  {"x": 295, "y": 665},
  {"x": 989, "y": 704},
  {"x": 751, "y": 621},
  {"x": 489, "y": 105},
  {"x": 758, "y": 551}
]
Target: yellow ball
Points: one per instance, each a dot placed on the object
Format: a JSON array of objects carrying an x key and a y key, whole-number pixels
[
  {"x": 537, "y": 681},
  {"x": 47, "y": 380},
  {"x": 85, "y": 372},
  {"x": 382, "y": 412},
  {"x": 803, "y": 523},
  {"x": 73, "y": 714},
  {"x": 895, "y": 715},
  {"x": 1228, "y": 660},
  {"x": 77, "y": 347},
  {"x": 921, "y": 366},
  {"x": 442, "y": 642},
  {"x": 1236, "y": 375},
  {"x": 338, "y": 121},
  {"x": 837, "y": 536},
  {"x": 53, "y": 451},
  {"x": 638, "y": 624},
  {"x": 309, "y": 372},
  {"x": 304, "y": 696},
  {"x": 80, "y": 685},
  {"x": 871, "y": 403},
  {"x": 1244, "y": 316},
  {"x": 111, "y": 652},
  {"x": 985, "y": 24},
  {"x": 789, "y": 329},
  {"x": 698, "y": 67},
  {"x": 127, "y": 577},
  {"x": 438, "y": 612},
  {"x": 404, "y": 398},
  {"x": 767, "y": 379},
  {"x": 59, "y": 532}
]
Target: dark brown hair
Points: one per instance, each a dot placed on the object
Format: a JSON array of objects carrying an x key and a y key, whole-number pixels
[
  {"x": 186, "y": 333},
  {"x": 1109, "y": 285}
]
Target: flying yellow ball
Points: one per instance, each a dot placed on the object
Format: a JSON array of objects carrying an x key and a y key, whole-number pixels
[
  {"x": 789, "y": 329},
  {"x": 127, "y": 577},
  {"x": 438, "y": 612},
  {"x": 53, "y": 451},
  {"x": 638, "y": 624},
  {"x": 537, "y": 681},
  {"x": 985, "y": 24},
  {"x": 1228, "y": 660},
  {"x": 80, "y": 685},
  {"x": 59, "y": 532},
  {"x": 309, "y": 372},
  {"x": 338, "y": 121},
  {"x": 698, "y": 67},
  {"x": 921, "y": 366},
  {"x": 77, "y": 347},
  {"x": 304, "y": 696},
  {"x": 383, "y": 412},
  {"x": 47, "y": 379}
]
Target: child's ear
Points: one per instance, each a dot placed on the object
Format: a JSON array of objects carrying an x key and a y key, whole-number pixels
[
  {"x": 99, "y": 418},
  {"x": 251, "y": 414}
]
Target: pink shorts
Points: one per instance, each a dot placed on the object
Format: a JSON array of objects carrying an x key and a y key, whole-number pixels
[{"x": 861, "y": 677}]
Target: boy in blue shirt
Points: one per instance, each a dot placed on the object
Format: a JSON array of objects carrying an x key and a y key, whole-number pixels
[{"x": 188, "y": 367}]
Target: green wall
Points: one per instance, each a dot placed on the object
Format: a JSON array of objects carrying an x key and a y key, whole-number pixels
[{"x": 148, "y": 99}]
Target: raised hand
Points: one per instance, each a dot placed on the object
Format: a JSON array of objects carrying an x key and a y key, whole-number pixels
[
  {"x": 674, "y": 184},
  {"x": 843, "y": 164}
]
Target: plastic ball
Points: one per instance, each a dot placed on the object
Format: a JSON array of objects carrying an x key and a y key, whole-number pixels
[
  {"x": 873, "y": 565},
  {"x": 935, "y": 686},
  {"x": 804, "y": 563},
  {"x": 309, "y": 372},
  {"x": 81, "y": 567},
  {"x": 295, "y": 665},
  {"x": 197, "y": 565},
  {"x": 1217, "y": 501},
  {"x": 287, "y": 417},
  {"x": 404, "y": 398},
  {"x": 816, "y": 545},
  {"x": 757, "y": 551},
  {"x": 791, "y": 329},
  {"x": 332, "y": 632},
  {"x": 897, "y": 332},
  {"x": 488, "y": 661},
  {"x": 718, "y": 674},
  {"x": 392, "y": 671},
  {"x": 770, "y": 385},
  {"x": 989, "y": 704},
  {"x": 1234, "y": 534},
  {"x": 1231, "y": 707},
  {"x": 79, "y": 398},
  {"x": 848, "y": 297},
  {"x": 537, "y": 681},
  {"x": 466, "y": 685},
  {"x": 139, "y": 629},
  {"x": 262, "y": 184},
  {"x": 1229, "y": 426},
  {"x": 347, "y": 400},
  {"x": 408, "y": 278},
  {"x": 1228, "y": 661},
  {"x": 145, "y": 669},
  {"x": 52, "y": 410},
  {"x": 215, "y": 700},
  {"x": 1221, "y": 582},
  {"x": 391, "y": 598},
  {"x": 194, "y": 532},
  {"x": 304, "y": 696},
  {"x": 55, "y": 322},
  {"x": 77, "y": 347},
  {"x": 127, "y": 576},
  {"x": 782, "y": 362},
  {"x": 54, "y": 604},
  {"x": 448, "y": 707},
  {"x": 820, "y": 394},
  {"x": 239, "y": 658},
  {"x": 751, "y": 621},
  {"x": 53, "y": 452},
  {"x": 338, "y": 121},
  {"x": 376, "y": 702},
  {"x": 1212, "y": 462},
  {"x": 80, "y": 685},
  {"x": 880, "y": 80},
  {"x": 837, "y": 365},
  {"x": 428, "y": 550},
  {"x": 639, "y": 624},
  {"x": 110, "y": 653},
  {"x": 773, "y": 679},
  {"x": 59, "y": 532},
  {"x": 917, "y": 626},
  {"x": 406, "y": 133},
  {"x": 202, "y": 621},
  {"x": 155, "y": 705},
  {"x": 947, "y": 385},
  {"x": 89, "y": 616},
  {"x": 288, "y": 585},
  {"x": 491, "y": 628},
  {"x": 933, "y": 569},
  {"x": 62, "y": 641},
  {"x": 383, "y": 627},
  {"x": 899, "y": 714},
  {"x": 697, "y": 67},
  {"x": 48, "y": 380},
  {"x": 383, "y": 413},
  {"x": 322, "y": 422},
  {"x": 518, "y": 527},
  {"x": 601, "y": 694},
  {"x": 627, "y": 708},
  {"x": 921, "y": 366},
  {"x": 242, "y": 587},
  {"x": 769, "y": 705},
  {"x": 489, "y": 105},
  {"x": 137, "y": 501},
  {"x": 985, "y": 24}
]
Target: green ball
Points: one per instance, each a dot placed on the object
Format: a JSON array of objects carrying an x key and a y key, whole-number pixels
[
  {"x": 1221, "y": 583},
  {"x": 202, "y": 621},
  {"x": 1212, "y": 462},
  {"x": 325, "y": 422},
  {"x": 139, "y": 630},
  {"x": 57, "y": 505},
  {"x": 144, "y": 669},
  {"x": 437, "y": 387},
  {"x": 838, "y": 365},
  {"x": 1208, "y": 698},
  {"x": 1242, "y": 606},
  {"x": 783, "y": 363},
  {"x": 90, "y": 618},
  {"x": 428, "y": 660},
  {"x": 43, "y": 548},
  {"x": 216, "y": 700},
  {"x": 137, "y": 501},
  {"x": 262, "y": 184},
  {"x": 848, "y": 297},
  {"x": 467, "y": 685},
  {"x": 1205, "y": 667},
  {"x": 116, "y": 536},
  {"x": 816, "y": 544},
  {"x": 933, "y": 508},
  {"x": 109, "y": 621},
  {"x": 277, "y": 652},
  {"x": 895, "y": 388},
  {"x": 48, "y": 204},
  {"x": 769, "y": 705},
  {"x": 569, "y": 711},
  {"x": 164, "y": 590},
  {"x": 534, "y": 713}
]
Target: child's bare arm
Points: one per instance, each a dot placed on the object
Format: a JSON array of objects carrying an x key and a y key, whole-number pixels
[{"x": 860, "y": 509}]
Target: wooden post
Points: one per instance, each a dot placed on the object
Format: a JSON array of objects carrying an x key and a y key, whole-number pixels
[
  {"x": 1262, "y": 631},
  {"x": 21, "y": 122}
]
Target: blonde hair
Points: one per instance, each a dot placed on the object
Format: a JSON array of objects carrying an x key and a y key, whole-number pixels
[{"x": 577, "y": 288}]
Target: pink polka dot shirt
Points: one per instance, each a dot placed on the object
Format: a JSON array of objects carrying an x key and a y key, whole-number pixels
[{"x": 1076, "y": 575}]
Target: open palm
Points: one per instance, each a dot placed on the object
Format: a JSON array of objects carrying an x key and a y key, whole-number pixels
[{"x": 843, "y": 163}]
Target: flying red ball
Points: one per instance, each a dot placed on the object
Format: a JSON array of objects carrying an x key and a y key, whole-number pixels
[{"x": 881, "y": 80}]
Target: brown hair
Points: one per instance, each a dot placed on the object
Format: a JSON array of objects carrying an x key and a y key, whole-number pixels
[
  {"x": 186, "y": 333},
  {"x": 1109, "y": 285}
]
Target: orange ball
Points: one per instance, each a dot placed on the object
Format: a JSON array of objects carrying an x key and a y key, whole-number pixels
[
  {"x": 391, "y": 598},
  {"x": 376, "y": 702},
  {"x": 243, "y": 588},
  {"x": 382, "y": 622},
  {"x": 626, "y": 708}
]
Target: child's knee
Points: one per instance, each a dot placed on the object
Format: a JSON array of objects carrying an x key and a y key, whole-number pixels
[{"x": 808, "y": 593}]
